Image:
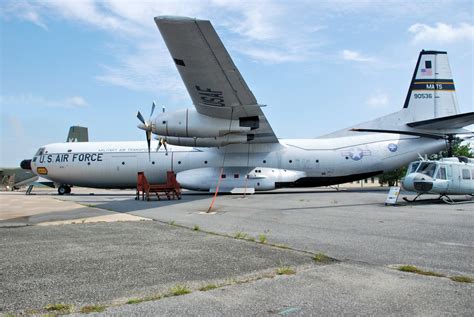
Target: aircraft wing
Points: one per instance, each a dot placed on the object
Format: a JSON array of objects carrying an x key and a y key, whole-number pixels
[
  {"x": 212, "y": 80},
  {"x": 450, "y": 122}
]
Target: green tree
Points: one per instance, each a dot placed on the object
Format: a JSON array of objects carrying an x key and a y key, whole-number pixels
[
  {"x": 458, "y": 149},
  {"x": 392, "y": 177}
]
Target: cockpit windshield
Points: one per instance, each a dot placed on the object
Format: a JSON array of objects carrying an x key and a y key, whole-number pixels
[
  {"x": 412, "y": 167},
  {"x": 427, "y": 168},
  {"x": 40, "y": 151}
]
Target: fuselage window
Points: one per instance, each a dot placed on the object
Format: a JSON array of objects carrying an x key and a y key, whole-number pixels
[
  {"x": 205, "y": 162},
  {"x": 317, "y": 161},
  {"x": 236, "y": 175},
  {"x": 153, "y": 162},
  {"x": 264, "y": 161},
  {"x": 291, "y": 161},
  {"x": 69, "y": 151},
  {"x": 223, "y": 176},
  {"x": 179, "y": 162},
  {"x": 441, "y": 173},
  {"x": 123, "y": 163},
  {"x": 466, "y": 174}
]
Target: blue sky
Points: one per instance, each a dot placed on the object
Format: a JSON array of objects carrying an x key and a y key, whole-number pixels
[{"x": 320, "y": 66}]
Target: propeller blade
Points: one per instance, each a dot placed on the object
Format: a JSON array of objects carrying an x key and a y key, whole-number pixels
[
  {"x": 148, "y": 141},
  {"x": 152, "y": 109},
  {"x": 140, "y": 117}
]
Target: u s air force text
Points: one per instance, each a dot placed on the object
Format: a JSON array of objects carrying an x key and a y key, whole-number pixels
[{"x": 76, "y": 157}]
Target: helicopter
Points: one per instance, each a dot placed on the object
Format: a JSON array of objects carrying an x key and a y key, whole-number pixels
[{"x": 448, "y": 176}]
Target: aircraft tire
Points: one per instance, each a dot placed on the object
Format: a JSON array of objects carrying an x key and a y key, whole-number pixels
[{"x": 64, "y": 189}]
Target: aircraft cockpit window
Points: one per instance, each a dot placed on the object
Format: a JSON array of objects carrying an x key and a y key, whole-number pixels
[
  {"x": 40, "y": 151},
  {"x": 441, "y": 173},
  {"x": 427, "y": 169}
]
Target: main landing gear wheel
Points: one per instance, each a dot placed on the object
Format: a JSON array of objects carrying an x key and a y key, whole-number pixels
[{"x": 64, "y": 189}]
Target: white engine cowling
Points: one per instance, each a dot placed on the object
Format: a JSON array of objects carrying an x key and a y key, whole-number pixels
[
  {"x": 191, "y": 124},
  {"x": 207, "y": 142}
]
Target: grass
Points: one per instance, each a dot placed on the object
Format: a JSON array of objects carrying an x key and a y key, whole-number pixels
[
  {"x": 143, "y": 299},
  {"x": 135, "y": 301},
  {"x": 414, "y": 269},
  {"x": 196, "y": 228},
  {"x": 262, "y": 238},
  {"x": 321, "y": 258},
  {"x": 179, "y": 290},
  {"x": 285, "y": 270},
  {"x": 208, "y": 287},
  {"x": 240, "y": 235},
  {"x": 59, "y": 308},
  {"x": 462, "y": 279},
  {"x": 92, "y": 309}
]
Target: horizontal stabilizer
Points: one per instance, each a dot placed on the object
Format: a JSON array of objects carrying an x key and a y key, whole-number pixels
[
  {"x": 414, "y": 133},
  {"x": 450, "y": 122}
]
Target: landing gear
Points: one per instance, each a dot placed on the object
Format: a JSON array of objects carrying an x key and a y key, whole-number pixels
[{"x": 64, "y": 189}]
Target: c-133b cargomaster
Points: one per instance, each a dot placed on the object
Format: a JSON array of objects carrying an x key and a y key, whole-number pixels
[{"x": 226, "y": 137}]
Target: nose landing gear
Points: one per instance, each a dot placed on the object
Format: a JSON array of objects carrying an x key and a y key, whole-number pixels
[{"x": 64, "y": 189}]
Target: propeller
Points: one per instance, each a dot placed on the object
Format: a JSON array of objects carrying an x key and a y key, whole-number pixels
[{"x": 147, "y": 126}]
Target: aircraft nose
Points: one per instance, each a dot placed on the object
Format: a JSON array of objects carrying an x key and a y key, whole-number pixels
[
  {"x": 26, "y": 164},
  {"x": 422, "y": 183}
]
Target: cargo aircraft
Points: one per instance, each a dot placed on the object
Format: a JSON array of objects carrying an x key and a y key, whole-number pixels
[{"x": 226, "y": 142}]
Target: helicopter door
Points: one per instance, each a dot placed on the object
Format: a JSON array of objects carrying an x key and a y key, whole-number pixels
[
  {"x": 442, "y": 183},
  {"x": 465, "y": 180}
]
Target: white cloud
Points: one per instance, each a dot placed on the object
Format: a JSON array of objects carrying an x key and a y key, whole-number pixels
[
  {"x": 349, "y": 55},
  {"x": 24, "y": 11},
  {"x": 28, "y": 100},
  {"x": 379, "y": 100},
  {"x": 441, "y": 33},
  {"x": 259, "y": 30}
]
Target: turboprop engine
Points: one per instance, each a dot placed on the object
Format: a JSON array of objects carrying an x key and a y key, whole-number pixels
[
  {"x": 188, "y": 123},
  {"x": 207, "y": 142}
]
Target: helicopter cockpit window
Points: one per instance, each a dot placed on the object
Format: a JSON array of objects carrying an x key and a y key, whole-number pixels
[
  {"x": 441, "y": 173},
  {"x": 412, "y": 168},
  {"x": 427, "y": 169}
]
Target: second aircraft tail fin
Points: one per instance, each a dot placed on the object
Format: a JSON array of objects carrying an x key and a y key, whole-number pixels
[
  {"x": 431, "y": 93},
  {"x": 78, "y": 134}
]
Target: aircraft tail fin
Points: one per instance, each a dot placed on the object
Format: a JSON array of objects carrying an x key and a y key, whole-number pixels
[
  {"x": 431, "y": 93},
  {"x": 78, "y": 134}
]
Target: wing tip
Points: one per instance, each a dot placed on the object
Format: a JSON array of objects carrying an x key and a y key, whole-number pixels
[{"x": 174, "y": 19}]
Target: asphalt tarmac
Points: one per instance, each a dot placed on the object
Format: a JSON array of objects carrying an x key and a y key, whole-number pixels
[{"x": 101, "y": 258}]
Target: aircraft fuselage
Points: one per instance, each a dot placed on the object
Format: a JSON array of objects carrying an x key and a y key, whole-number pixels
[{"x": 290, "y": 163}]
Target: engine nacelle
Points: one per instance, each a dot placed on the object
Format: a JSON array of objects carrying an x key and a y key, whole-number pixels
[
  {"x": 191, "y": 124},
  {"x": 208, "y": 142}
]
